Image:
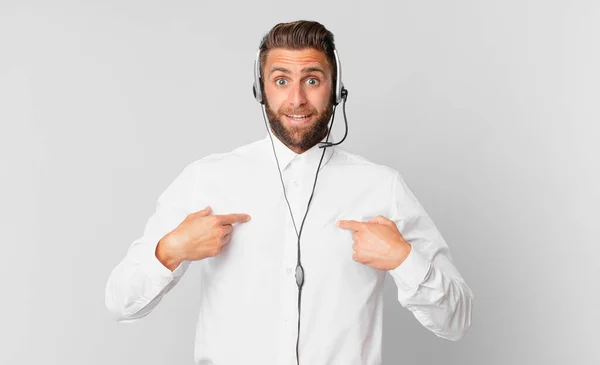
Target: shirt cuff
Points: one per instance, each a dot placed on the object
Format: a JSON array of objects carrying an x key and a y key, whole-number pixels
[{"x": 411, "y": 272}]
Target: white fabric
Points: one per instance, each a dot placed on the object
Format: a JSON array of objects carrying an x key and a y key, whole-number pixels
[{"x": 248, "y": 310}]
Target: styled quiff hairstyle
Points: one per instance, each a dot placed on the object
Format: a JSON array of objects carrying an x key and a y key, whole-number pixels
[{"x": 299, "y": 35}]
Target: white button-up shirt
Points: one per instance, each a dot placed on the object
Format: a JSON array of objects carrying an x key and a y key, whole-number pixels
[{"x": 249, "y": 297}]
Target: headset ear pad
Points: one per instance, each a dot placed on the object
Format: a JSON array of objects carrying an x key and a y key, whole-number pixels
[
  {"x": 258, "y": 97},
  {"x": 258, "y": 93}
]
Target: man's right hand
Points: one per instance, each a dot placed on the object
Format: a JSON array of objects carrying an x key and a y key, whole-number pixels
[{"x": 199, "y": 236}]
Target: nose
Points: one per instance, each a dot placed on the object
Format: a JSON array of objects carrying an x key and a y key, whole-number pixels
[{"x": 297, "y": 95}]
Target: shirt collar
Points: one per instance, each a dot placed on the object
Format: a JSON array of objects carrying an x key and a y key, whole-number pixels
[{"x": 311, "y": 157}]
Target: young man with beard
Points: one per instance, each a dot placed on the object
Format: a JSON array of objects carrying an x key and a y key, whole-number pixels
[{"x": 280, "y": 284}]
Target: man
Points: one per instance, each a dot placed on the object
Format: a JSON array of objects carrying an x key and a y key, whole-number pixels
[{"x": 281, "y": 285}]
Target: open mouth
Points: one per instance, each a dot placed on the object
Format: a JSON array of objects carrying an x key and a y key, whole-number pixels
[{"x": 298, "y": 118}]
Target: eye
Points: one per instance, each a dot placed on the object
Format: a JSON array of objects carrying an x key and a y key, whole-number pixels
[
  {"x": 312, "y": 81},
  {"x": 281, "y": 82}
]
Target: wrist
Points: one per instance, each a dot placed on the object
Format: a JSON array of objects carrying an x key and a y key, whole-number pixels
[{"x": 167, "y": 254}]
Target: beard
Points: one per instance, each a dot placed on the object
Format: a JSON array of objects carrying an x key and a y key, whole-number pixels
[{"x": 304, "y": 137}]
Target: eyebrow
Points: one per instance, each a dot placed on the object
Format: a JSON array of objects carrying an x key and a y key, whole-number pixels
[{"x": 304, "y": 70}]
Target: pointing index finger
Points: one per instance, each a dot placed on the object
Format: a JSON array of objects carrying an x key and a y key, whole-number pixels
[
  {"x": 233, "y": 218},
  {"x": 350, "y": 224}
]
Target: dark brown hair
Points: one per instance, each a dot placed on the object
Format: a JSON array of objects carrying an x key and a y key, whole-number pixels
[{"x": 299, "y": 35}]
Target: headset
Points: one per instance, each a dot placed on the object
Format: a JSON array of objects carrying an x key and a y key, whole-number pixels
[{"x": 340, "y": 94}]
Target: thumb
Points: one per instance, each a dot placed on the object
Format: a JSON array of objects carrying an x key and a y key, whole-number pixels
[{"x": 204, "y": 212}]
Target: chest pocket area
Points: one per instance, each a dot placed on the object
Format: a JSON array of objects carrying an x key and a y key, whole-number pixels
[{"x": 328, "y": 248}]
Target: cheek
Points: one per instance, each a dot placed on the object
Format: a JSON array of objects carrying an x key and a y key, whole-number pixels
[
  {"x": 320, "y": 101},
  {"x": 275, "y": 99}
]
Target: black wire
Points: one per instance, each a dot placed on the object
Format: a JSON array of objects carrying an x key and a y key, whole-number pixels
[
  {"x": 302, "y": 226},
  {"x": 329, "y": 144}
]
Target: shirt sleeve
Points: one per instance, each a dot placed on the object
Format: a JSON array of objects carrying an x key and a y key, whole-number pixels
[
  {"x": 139, "y": 281},
  {"x": 429, "y": 285}
]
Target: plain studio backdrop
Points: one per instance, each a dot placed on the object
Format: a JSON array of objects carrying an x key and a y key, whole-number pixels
[{"x": 489, "y": 109}]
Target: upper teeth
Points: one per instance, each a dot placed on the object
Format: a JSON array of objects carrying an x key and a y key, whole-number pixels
[{"x": 298, "y": 116}]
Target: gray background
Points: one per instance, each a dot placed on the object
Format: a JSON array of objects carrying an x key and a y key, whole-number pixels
[{"x": 489, "y": 109}]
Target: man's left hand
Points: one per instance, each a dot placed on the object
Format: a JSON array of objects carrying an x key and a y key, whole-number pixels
[{"x": 377, "y": 243}]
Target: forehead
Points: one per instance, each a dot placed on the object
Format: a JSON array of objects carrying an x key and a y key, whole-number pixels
[{"x": 295, "y": 59}]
